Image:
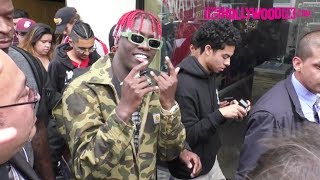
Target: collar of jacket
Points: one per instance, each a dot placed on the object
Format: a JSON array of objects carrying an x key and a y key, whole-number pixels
[
  {"x": 293, "y": 96},
  {"x": 101, "y": 72}
]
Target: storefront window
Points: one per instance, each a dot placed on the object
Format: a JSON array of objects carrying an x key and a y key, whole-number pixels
[{"x": 266, "y": 39}]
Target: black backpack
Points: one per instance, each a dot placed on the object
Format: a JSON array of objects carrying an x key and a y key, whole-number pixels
[
  {"x": 43, "y": 84},
  {"x": 48, "y": 96}
]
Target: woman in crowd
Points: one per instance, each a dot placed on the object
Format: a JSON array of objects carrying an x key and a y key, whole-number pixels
[{"x": 38, "y": 42}]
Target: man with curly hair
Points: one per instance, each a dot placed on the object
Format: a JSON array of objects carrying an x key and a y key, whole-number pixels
[{"x": 200, "y": 112}]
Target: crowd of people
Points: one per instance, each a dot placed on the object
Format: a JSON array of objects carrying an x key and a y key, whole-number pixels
[{"x": 72, "y": 109}]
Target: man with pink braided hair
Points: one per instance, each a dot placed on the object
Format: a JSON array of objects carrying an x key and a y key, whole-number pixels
[{"x": 121, "y": 116}]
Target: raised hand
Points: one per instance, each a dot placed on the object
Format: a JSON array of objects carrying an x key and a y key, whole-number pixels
[
  {"x": 167, "y": 83},
  {"x": 133, "y": 89}
]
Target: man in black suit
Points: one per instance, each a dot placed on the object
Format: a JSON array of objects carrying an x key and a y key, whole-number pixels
[{"x": 287, "y": 106}]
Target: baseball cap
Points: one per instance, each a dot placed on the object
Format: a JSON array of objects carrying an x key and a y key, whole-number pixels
[
  {"x": 63, "y": 17},
  {"x": 24, "y": 24}
]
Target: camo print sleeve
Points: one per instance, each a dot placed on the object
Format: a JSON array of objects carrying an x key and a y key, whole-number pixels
[
  {"x": 171, "y": 136},
  {"x": 101, "y": 145},
  {"x": 96, "y": 140}
]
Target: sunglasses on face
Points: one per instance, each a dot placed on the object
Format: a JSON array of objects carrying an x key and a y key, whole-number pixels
[
  {"x": 33, "y": 98},
  {"x": 138, "y": 39}
]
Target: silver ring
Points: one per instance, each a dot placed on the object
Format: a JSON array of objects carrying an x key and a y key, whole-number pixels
[{"x": 149, "y": 81}]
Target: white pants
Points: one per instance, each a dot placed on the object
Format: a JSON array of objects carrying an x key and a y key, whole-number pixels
[{"x": 214, "y": 174}]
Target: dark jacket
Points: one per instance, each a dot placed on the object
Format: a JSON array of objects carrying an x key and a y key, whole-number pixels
[
  {"x": 47, "y": 101},
  {"x": 48, "y": 96},
  {"x": 58, "y": 67},
  {"x": 21, "y": 165},
  {"x": 199, "y": 111},
  {"x": 278, "y": 110},
  {"x": 61, "y": 63}
]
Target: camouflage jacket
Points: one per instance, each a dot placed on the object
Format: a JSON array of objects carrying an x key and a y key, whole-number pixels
[{"x": 101, "y": 144}]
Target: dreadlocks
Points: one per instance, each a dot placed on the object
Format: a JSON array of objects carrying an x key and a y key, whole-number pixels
[{"x": 126, "y": 23}]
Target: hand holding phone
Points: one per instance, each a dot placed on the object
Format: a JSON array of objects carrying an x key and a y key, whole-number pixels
[
  {"x": 150, "y": 79},
  {"x": 225, "y": 101},
  {"x": 229, "y": 98},
  {"x": 243, "y": 104}
]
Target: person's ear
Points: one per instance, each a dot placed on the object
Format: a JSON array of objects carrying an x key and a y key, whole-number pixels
[
  {"x": 113, "y": 49},
  {"x": 208, "y": 50},
  {"x": 297, "y": 63},
  {"x": 191, "y": 47},
  {"x": 70, "y": 43}
]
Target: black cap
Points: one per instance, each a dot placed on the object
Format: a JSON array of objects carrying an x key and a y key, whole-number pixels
[{"x": 63, "y": 17}]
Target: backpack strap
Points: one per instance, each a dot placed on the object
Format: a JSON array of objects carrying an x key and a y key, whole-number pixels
[
  {"x": 48, "y": 96},
  {"x": 36, "y": 67}
]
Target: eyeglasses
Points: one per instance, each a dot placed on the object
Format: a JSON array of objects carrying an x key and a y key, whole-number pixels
[
  {"x": 33, "y": 98},
  {"x": 138, "y": 39},
  {"x": 83, "y": 50}
]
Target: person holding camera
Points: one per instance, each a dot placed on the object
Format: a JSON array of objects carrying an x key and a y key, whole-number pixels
[
  {"x": 196, "y": 94},
  {"x": 116, "y": 121}
]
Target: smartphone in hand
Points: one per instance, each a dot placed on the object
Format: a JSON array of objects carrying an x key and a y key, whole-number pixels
[
  {"x": 149, "y": 77},
  {"x": 243, "y": 104},
  {"x": 229, "y": 99}
]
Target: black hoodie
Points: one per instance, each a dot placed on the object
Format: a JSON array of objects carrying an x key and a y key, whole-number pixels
[
  {"x": 61, "y": 63},
  {"x": 196, "y": 96}
]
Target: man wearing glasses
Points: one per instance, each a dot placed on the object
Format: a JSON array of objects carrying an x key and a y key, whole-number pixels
[
  {"x": 17, "y": 117},
  {"x": 37, "y": 150},
  {"x": 70, "y": 60},
  {"x": 73, "y": 57},
  {"x": 117, "y": 123}
]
